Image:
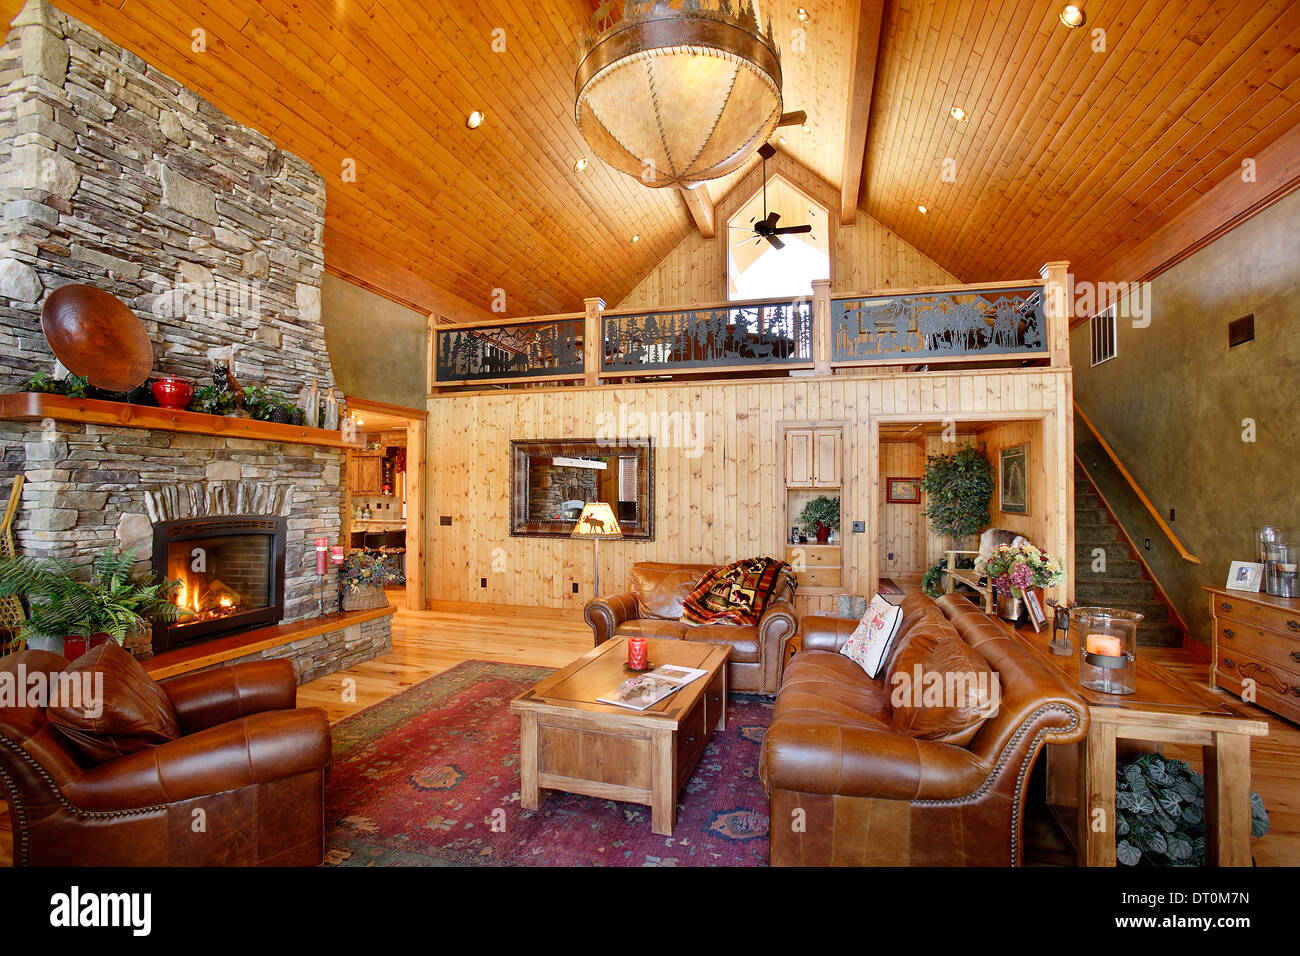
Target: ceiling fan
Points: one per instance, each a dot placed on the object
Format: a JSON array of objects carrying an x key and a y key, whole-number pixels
[{"x": 767, "y": 228}]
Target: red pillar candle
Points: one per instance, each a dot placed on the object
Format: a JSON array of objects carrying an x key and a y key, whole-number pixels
[
  {"x": 336, "y": 555},
  {"x": 322, "y": 545},
  {"x": 637, "y": 653}
]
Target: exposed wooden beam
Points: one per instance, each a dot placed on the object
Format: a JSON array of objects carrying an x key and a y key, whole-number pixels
[
  {"x": 1221, "y": 209},
  {"x": 700, "y": 204},
  {"x": 866, "y": 27}
]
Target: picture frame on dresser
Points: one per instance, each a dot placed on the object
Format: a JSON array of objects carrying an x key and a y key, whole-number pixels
[{"x": 1245, "y": 576}]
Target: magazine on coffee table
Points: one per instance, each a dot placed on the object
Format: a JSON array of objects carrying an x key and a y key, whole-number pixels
[{"x": 643, "y": 691}]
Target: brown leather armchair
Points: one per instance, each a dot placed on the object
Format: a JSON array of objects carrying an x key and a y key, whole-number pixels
[
  {"x": 652, "y": 607},
  {"x": 867, "y": 794},
  {"x": 252, "y": 763}
]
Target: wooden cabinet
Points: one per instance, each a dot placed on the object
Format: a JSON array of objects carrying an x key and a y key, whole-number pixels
[
  {"x": 1257, "y": 647},
  {"x": 812, "y": 457},
  {"x": 365, "y": 474},
  {"x": 816, "y": 565}
]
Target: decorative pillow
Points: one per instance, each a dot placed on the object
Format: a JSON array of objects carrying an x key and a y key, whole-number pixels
[
  {"x": 940, "y": 687},
  {"x": 870, "y": 641},
  {"x": 121, "y": 709},
  {"x": 737, "y": 593}
]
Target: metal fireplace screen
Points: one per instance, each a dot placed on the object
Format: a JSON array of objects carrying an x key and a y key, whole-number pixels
[{"x": 231, "y": 571}]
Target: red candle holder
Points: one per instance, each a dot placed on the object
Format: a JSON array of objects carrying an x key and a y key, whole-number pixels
[{"x": 637, "y": 654}]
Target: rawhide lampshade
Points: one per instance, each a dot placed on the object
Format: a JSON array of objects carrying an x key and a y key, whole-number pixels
[
  {"x": 675, "y": 97},
  {"x": 597, "y": 521}
]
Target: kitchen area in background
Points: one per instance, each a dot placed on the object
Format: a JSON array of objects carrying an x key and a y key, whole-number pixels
[{"x": 380, "y": 487}]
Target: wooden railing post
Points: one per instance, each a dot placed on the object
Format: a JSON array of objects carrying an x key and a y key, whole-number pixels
[
  {"x": 593, "y": 341},
  {"x": 821, "y": 337},
  {"x": 1056, "y": 307}
]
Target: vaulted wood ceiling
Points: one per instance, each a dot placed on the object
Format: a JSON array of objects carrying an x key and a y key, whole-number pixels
[{"x": 1068, "y": 153}]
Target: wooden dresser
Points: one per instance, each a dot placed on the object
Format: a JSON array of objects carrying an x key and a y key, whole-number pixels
[{"x": 1257, "y": 637}]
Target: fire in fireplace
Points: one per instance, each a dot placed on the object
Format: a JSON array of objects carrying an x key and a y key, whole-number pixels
[{"x": 231, "y": 570}]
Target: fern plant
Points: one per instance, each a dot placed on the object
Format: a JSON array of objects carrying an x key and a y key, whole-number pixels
[{"x": 113, "y": 601}]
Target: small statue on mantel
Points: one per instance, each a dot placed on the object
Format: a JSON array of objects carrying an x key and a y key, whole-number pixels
[
  {"x": 331, "y": 422},
  {"x": 310, "y": 401},
  {"x": 1060, "y": 644}
]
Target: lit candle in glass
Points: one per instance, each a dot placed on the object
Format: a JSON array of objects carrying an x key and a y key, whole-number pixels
[{"x": 1105, "y": 645}]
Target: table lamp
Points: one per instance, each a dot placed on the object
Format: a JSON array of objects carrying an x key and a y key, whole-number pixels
[{"x": 597, "y": 521}]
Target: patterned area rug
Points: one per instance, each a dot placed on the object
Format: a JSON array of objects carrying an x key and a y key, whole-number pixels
[{"x": 430, "y": 777}]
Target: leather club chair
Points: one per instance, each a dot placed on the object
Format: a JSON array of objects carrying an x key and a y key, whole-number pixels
[
  {"x": 873, "y": 795},
  {"x": 239, "y": 751},
  {"x": 652, "y": 607}
]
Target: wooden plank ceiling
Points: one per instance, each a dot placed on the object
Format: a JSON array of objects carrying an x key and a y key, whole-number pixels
[{"x": 1067, "y": 153}]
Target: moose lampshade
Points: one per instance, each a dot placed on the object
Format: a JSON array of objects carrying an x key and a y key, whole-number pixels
[{"x": 597, "y": 521}]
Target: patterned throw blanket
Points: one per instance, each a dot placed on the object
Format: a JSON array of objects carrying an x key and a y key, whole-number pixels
[{"x": 737, "y": 593}]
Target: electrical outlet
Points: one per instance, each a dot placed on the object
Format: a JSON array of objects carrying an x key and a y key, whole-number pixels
[
  {"x": 859, "y": 527},
  {"x": 482, "y": 582},
  {"x": 891, "y": 556},
  {"x": 1171, "y": 514},
  {"x": 575, "y": 587}
]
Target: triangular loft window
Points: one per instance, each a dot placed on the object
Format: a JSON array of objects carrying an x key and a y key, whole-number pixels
[{"x": 756, "y": 269}]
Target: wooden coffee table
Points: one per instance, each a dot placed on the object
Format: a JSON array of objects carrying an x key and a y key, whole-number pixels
[{"x": 569, "y": 742}]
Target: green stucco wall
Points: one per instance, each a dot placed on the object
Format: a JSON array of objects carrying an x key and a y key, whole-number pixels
[
  {"x": 1173, "y": 401},
  {"x": 377, "y": 347}
]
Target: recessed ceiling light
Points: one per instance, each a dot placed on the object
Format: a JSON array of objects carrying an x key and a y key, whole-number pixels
[
  {"x": 959, "y": 114},
  {"x": 922, "y": 210},
  {"x": 802, "y": 14},
  {"x": 807, "y": 128},
  {"x": 1073, "y": 16},
  {"x": 475, "y": 119},
  {"x": 781, "y": 140},
  {"x": 636, "y": 238},
  {"x": 580, "y": 165}
]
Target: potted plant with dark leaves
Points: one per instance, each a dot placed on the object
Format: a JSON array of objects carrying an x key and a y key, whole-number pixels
[
  {"x": 1160, "y": 813},
  {"x": 820, "y": 516},
  {"x": 72, "y": 613},
  {"x": 73, "y": 386},
  {"x": 958, "y": 489}
]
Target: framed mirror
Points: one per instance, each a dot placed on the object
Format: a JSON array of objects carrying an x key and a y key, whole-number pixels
[{"x": 550, "y": 481}]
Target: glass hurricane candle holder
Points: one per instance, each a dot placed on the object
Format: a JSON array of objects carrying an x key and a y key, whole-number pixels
[{"x": 1107, "y": 649}]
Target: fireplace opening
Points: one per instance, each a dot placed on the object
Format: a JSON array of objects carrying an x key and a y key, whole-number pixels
[{"x": 231, "y": 570}]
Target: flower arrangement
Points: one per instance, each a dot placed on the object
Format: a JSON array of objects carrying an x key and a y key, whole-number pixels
[
  {"x": 1015, "y": 569},
  {"x": 363, "y": 570}
]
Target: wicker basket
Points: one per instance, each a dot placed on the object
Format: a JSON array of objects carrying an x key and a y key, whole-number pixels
[{"x": 364, "y": 600}]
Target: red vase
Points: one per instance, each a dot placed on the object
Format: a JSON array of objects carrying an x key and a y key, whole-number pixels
[
  {"x": 823, "y": 534},
  {"x": 97, "y": 640},
  {"x": 74, "y": 647},
  {"x": 172, "y": 392}
]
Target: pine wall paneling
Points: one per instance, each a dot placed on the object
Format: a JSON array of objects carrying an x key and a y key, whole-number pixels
[{"x": 716, "y": 506}]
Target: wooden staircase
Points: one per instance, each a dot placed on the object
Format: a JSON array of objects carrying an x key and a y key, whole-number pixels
[{"x": 1126, "y": 581}]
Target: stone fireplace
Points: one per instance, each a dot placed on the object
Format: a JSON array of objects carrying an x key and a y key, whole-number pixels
[{"x": 114, "y": 175}]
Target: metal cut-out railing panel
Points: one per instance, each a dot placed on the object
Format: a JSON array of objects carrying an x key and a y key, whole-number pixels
[
  {"x": 549, "y": 348},
  {"x": 775, "y": 333},
  {"x": 938, "y": 325}
]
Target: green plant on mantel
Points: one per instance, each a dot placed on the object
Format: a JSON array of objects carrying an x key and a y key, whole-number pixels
[
  {"x": 264, "y": 403},
  {"x": 822, "y": 511},
  {"x": 958, "y": 488},
  {"x": 113, "y": 601},
  {"x": 211, "y": 400},
  {"x": 74, "y": 386},
  {"x": 1160, "y": 813}
]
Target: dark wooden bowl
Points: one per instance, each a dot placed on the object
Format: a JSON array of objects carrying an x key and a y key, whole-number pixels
[{"x": 93, "y": 333}]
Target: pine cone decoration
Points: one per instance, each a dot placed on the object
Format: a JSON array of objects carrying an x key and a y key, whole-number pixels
[
  {"x": 280, "y": 415},
  {"x": 221, "y": 376}
]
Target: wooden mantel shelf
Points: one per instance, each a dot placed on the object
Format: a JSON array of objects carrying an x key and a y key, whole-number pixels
[{"x": 35, "y": 407}]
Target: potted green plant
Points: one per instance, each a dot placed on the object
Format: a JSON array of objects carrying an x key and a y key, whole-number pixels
[
  {"x": 211, "y": 400},
  {"x": 958, "y": 490},
  {"x": 820, "y": 516},
  {"x": 1160, "y": 813},
  {"x": 112, "y": 603},
  {"x": 362, "y": 579}
]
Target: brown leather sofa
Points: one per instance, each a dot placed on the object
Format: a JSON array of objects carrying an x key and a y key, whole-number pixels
[
  {"x": 871, "y": 795},
  {"x": 242, "y": 754},
  {"x": 652, "y": 607}
]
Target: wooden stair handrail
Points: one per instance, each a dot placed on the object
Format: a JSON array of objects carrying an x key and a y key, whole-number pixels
[{"x": 1132, "y": 483}]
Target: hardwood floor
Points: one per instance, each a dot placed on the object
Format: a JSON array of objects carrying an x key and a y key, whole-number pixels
[{"x": 428, "y": 642}]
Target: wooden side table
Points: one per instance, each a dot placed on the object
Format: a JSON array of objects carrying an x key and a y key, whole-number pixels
[{"x": 1165, "y": 709}]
